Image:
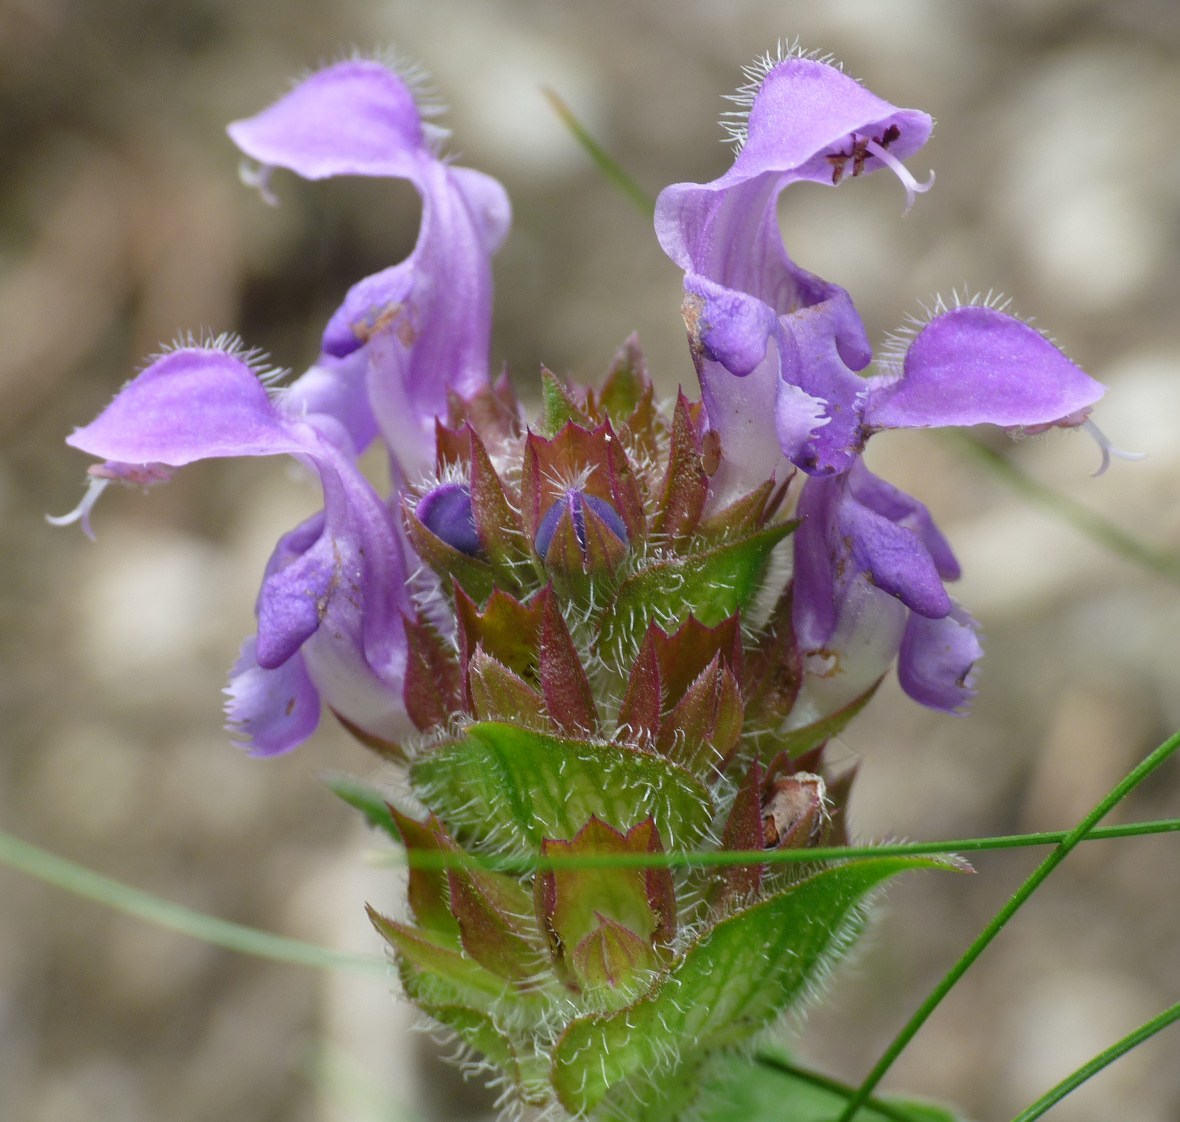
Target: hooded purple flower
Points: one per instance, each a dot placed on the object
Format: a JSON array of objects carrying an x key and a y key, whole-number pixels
[
  {"x": 330, "y": 608},
  {"x": 778, "y": 353},
  {"x": 407, "y": 336},
  {"x": 778, "y": 350},
  {"x": 777, "y": 347}
]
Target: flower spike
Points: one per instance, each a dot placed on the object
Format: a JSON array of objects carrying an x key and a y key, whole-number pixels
[{"x": 602, "y": 647}]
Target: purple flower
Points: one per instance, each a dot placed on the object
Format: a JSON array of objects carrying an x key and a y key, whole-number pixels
[
  {"x": 869, "y": 570},
  {"x": 330, "y": 608},
  {"x": 779, "y": 351},
  {"x": 777, "y": 348},
  {"x": 779, "y": 354},
  {"x": 405, "y": 337}
]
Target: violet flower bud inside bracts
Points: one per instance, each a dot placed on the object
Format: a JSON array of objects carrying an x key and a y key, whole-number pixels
[{"x": 405, "y": 337}]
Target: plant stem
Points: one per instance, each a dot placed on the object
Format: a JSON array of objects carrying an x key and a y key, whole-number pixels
[
  {"x": 46, "y": 866},
  {"x": 1103, "y": 1059},
  {"x": 1040, "y": 874}
]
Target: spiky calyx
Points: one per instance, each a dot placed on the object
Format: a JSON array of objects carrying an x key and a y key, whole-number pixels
[{"x": 600, "y": 671}]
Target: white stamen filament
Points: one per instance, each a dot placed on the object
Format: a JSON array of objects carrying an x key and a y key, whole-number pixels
[
  {"x": 911, "y": 185},
  {"x": 81, "y": 513},
  {"x": 1108, "y": 449},
  {"x": 257, "y": 176}
]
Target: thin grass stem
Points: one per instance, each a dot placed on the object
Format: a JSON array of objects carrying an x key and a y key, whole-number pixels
[
  {"x": 606, "y": 163},
  {"x": 522, "y": 865},
  {"x": 59, "y": 871},
  {"x": 1104, "y": 1059},
  {"x": 1000, "y": 919}
]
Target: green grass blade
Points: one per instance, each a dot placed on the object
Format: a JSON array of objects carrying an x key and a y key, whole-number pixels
[
  {"x": 700, "y": 859},
  {"x": 81, "y": 881},
  {"x": 1103, "y": 1059},
  {"x": 1164, "y": 563},
  {"x": 606, "y": 163},
  {"x": 1000, "y": 919}
]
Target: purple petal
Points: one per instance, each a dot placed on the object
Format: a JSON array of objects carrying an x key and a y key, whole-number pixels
[
  {"x": 333, "y": 596},
  {"x": 337, "y": 388},
  {"x": 804, "y": 119},
  {"x": 755, "y": 416},
  {"x": 888, "y": 501},
  {"x": 434, "y": 339},
  {"x": 730, "y": 327},
  {"x": 894, "y": 556},
  {"x": 293, "y": 601},
  {"x": 784, "y": 380},
  {"x": 270, "y": 711},
  {"x": 819, "y": 560},
  {"x": 192, "y": 404},
  {"x": 725, "y": 235},
  {"x": 860, "y": 649},
  {"x": 975, "y": 365},
  {"x": 429, "y": 317},
  {"x": 847, "y": 538},
  {"x": 937, "y": 660},
  {"x": 827, "y": 336},
  {"x": 354, "y": 118},
  {"x": 805, "y": 116},
  {"x": 335, "y": 589}
]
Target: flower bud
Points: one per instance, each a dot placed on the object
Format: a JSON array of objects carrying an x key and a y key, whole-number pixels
[
  {"x": 583, "y": 532},
  {"x": 446, "y": 512}
]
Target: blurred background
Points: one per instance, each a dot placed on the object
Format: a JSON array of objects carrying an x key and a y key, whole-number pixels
[{"x": 122, "y": 223}]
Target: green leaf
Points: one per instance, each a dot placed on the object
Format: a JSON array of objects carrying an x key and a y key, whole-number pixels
[
  {"x": 711, "y": 586},
  {"x": 626, "y": 382},
  {"x": 373, "y": 804},
  {"x": 799, "y": 740},
  {"x": 741, "y": 976},
  {"x": 740, "y": 1089},
  {"x": 463, "y": 980},
  {"x": 511, "y": 787}
]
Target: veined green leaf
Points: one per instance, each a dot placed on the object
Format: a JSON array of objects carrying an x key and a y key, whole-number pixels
[
  {"x": 741, "y": 976},
  {"x": 742, "y": 1089},
  {"x": 709, "y": 586},
  {"x": 510, "y": 787}
]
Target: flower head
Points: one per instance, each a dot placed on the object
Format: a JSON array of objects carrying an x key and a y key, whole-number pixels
[{"x": 625, "y": 632}]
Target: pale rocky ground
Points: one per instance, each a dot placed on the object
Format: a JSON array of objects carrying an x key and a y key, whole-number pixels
[{"x": 1058, "y": 183}]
